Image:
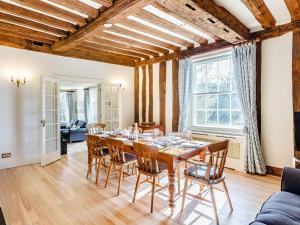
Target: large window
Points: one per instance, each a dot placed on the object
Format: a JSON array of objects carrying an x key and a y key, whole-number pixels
[{"x": 216, "y": 106}]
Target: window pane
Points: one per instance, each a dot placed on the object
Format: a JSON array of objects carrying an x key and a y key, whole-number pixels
[
  {"x": 235, "y": 102},
  {"x": 224, "y": 118},
  {"x": 212, "y": 85},
  {"x": 212, "y": 101},
  {"x": 224, "y": 101},
  {"x": 201, "y": 117},
  {"x": 201, "y": 102},
  {"x": 212, "y": 117},
  {"x": 237, "y": 118},
  {"x": 200, "y": 78},
  {"x": 212, "y": 72},
  {"x": 224, "y": 75}
]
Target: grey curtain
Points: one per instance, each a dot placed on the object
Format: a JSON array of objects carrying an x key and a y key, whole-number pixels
[
  {"x": 244, "y": 65},
  {"x": 185, "y": 92},
  {"x": 87, "y": 104},
  {"x": 71, "y": 96}
]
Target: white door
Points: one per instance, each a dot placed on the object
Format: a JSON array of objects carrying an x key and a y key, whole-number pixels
[{"x": 50, "y": 121}]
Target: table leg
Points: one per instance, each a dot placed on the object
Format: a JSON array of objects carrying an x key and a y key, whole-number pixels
[{"x": 171, "y": 176}]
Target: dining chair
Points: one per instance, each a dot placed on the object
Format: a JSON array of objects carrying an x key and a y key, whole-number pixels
[
  {"x": 148, "y": 166},
  {"x": 118, "y": 158},
  {"x": 94, "y": 128},
  {"x": 209, "y": 174},
  {"x": 96, "y": 151},
  {"x": 152, "y": 132}
]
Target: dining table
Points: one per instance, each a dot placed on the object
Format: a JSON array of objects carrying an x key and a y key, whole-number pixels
[{"x": 171, "y": 155}]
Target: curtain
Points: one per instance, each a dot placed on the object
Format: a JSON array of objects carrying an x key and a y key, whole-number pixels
[
  {"x": 185, "y": 93},
  {"x": 71, "y": 98},
  {"x": 87, "y": 105},
  {"x": 244, "y": 65}
]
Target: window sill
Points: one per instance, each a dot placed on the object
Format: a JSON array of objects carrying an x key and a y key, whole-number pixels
[{"x": 226, "y": 132}]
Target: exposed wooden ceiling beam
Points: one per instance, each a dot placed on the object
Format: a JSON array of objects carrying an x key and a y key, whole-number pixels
[
  {"x": 151, "y": 18},
  {"x": 55, "y": 11},
  {"x": 29, "y": 23},
  {"x": 133, "y": 42},
  {"x": 185, "y": 53},
  {"x": 23, "y": 30},
  {"x": 121, "y": 30},
  {"x": 113, "y": 49},
  {"x": 294, "y": 8},
  {"x": 38, "y": 17},
  {"x": 78, "y": 6},
  {"x": 276, "y": 31},
  {"x": 106, "y": 3},
  {"x": 261, "y": 12},
  {"x": 21, "y": 43},
  {"x": 120, "y": 45},
  {"x": 120, "y": 7},
  {"x": 214, "y": 19}
]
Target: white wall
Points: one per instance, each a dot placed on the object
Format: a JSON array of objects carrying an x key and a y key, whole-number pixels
[
  {"x": 20, "y": 107},
  {"x": 277, "y": 101}
]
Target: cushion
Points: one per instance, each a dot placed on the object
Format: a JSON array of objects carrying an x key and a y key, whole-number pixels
[
  {"x": 73, "y": 122},
  {"x": 199, "y": 172},
  {"x": 282, "y": 208},
  {"x": 129, "y": 157},
  {"x": 81, "y": 124}
]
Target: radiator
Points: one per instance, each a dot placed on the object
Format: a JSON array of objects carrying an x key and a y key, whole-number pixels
[{"x": 235, "y": 155}]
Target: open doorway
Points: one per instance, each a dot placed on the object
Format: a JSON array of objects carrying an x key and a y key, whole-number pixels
[{"x": 79, "y": 105}]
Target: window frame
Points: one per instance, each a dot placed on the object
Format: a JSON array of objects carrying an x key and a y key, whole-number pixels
[{"x": 211, "y": 129}]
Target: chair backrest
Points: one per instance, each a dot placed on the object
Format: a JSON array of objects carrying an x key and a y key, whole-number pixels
[
  {"x": 217, "y": 158},
  {"x": 146, "y": 157},
  {"x": 94, "y": 128},
  {"x": 95, "y": 145},
  {"x": 115, "y": 148}
]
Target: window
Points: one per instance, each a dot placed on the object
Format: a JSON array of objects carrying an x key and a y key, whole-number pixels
[
  {"x": 80, "y": 104},
  {"x": 216, "y": 106},
  {"x": 64, "y": 107}
]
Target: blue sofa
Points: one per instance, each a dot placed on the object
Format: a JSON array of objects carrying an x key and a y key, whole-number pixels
[
  {"x": 73, "y": 132},
  {"x": 283, "y": 208}
]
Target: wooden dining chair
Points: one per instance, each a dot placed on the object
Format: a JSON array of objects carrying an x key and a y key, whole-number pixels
[
  {"x": 97, "y": 151},
  {"x": 95, "y": 128},
  {"x": 209, "y": 174},
  {"x": 152, "y": 132},
  {"x": 148, "y": 166},
  {"x": 118, "y": 158}
]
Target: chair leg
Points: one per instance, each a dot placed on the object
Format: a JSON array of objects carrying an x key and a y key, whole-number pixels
[
  {"x": 184, "y": 192},
  {"x": 108, "y": 173},
  {"x": 213, "y": 200},
  {"x": 98, "y": 169},
  {"x": 153, "y": 193},
  {"x": 227, "y": 195},
  {"x": 90, "y": 160},
  {"x": 136, "y": 186},
  {"x": 178, "y": 178},
  {"x": 120, "y": 178}
]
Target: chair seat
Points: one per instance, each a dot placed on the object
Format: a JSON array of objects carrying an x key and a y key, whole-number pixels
[
  {"x": 162, "y": 166},
  {"x": 200, "y": 171},
  {"x": 105, "y": 152},
  {"x": 129, "y": 157}
]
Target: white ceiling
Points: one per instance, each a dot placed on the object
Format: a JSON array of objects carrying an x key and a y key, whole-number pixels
[{"x": 241, "y": 12}]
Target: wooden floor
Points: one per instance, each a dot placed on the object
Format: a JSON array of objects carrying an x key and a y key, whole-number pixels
[{"x": 60, "y": 194}]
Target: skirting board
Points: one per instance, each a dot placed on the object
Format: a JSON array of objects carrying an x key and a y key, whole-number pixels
[
  {"x": 10, "y": 163},
  {"x": 274, "y": 171}
]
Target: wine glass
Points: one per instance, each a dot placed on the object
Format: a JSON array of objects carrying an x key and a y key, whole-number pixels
[{"x": 156, "y": 131}]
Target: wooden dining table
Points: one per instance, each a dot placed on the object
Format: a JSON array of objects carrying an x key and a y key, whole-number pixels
[{"x": 172, "y": 156}]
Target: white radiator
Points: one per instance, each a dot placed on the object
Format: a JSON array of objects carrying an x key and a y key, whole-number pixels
[{"x": 235, "y": 156}]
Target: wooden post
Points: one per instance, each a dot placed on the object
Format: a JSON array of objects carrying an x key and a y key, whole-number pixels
[
  {"x": 162, "y": 94},
  {"x": 144, "y": 101},
  {"x": 175, "y": 119},
  {"x": 150, "y": 76},
  {"x": 136, "y": 95}
]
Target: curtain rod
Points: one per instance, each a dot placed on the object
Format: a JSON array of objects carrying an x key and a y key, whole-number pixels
[{"x": 247, "y": 42}]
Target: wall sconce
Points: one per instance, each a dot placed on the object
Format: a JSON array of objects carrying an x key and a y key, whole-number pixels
[{"x": 18, "y": 82}]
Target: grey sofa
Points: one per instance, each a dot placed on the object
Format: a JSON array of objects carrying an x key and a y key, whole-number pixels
[{"x": 283, "y": 208}]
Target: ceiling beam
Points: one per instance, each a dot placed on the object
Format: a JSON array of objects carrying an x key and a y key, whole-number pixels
[
  {"x": 29, "y": 23},
  {"x": 55, "y": 11},
  {"x": 78, "y": 6},
  {"x": 294, "y": 8},
  {"x": 186, "y": 53},
  {"x": 127, "y": 32},
  {"x": 276, "y": 31},
  {"x": 37, "y": 17},
  {"x": 105, "y": 3},
  {"x": 155, "y": 20},
  {"x": 261, "y": 12},
  {"x": 120, "y": 45},
  {"x": 214, "y": 19},
  {"x": 120, "y": 7}
]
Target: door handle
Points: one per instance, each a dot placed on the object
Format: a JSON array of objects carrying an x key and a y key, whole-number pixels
[{"x": 43, "y": 122}]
